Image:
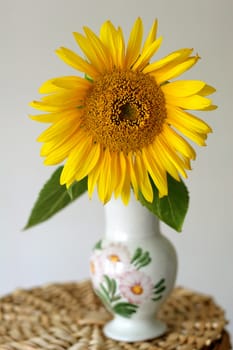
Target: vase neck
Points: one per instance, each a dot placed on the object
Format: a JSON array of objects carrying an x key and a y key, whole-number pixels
[{"x": 130, "y": 221}]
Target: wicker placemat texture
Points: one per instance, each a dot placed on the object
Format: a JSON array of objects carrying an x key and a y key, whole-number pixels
[{"x": 69, "y": 316}]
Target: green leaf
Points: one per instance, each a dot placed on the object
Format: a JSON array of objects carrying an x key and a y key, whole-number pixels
[
  {"x": 140, "y": 258},
  {"x": 158, "y": 298},
  {"x": 144, "y": 260},
  {"x": 144, "y": 263},
  {"x": 98, "y": 245},
  {"x": 160, "y": 290},
  {"x": 137, "y": 254},
  {"x": 160, "y": 283},
  {"x": 53, "y": 197},
  {"x": 104, "y": 291},
  {"x": 125, "y": 309},
  {"x": 115, "y": 298},
  {"x": 114, "y": 287},
  {"x": 103, "y": 298},
  {"x": 109, "y": 283},
  {"x": 111, "y": 286},
  {"x": 170, "y": 209},
  {"x": 70, "y": 192}
]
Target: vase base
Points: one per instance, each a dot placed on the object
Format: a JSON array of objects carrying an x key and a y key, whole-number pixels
[{"x": 134, "y": 330}]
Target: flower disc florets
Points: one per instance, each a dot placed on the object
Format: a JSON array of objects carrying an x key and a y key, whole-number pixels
[{"x": 124, "y": 110}]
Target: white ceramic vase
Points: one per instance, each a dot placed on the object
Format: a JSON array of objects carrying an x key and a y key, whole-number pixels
[{"x": 133, "y": 270}]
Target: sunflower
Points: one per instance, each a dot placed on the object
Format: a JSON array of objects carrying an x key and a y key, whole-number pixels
[{"x": 122, "y": 123}]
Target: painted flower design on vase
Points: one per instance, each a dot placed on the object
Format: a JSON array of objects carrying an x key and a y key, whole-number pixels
[
  {"x": 96, "y": 269},
  {"x": 119, "y": 281},
  {"x": 135, "y": 286},
  {"x": 116, "y": 259}
]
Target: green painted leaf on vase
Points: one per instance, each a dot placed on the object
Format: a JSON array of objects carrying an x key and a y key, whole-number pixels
[
  {"x": 125, "y": 309},
  {"x": 104, "y": 299},
  {"x": 111, "y": 286},
  {"x": 140, "y": 258},
  {"x": 157, "y": 298},
  {"x": 98, "y": 245},
  {"x": 137, "y": 255},
  {"x": 104, "y": 291},
  {"x": 53, "y": 197},
  {"x": 144, "y": 260},
  {"x": 160, "y": 290},
  {"x": 170, "y": 209},
  {"x": 160, "y": 283}
]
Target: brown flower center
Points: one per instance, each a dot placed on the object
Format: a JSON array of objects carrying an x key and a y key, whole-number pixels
[
  {"x": 137, "y": 289},
  {"x": 114, "y": 258},
  {"x": 124, "y": 110}
]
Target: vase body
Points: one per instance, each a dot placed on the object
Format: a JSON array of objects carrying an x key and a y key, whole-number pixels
[{"x": 133, "y": 270}]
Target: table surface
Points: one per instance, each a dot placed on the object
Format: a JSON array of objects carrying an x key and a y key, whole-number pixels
[{"x": 70, "y": 316}]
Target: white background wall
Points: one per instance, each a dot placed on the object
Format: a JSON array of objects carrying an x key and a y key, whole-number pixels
[{"x": 58, "y": 250}]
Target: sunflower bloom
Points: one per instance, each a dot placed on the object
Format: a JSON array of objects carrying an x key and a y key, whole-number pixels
[{"x": 122, "y": 123}]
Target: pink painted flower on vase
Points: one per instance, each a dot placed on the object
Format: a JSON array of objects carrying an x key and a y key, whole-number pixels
[
  {"x": 136, "y": 286},
  {"x": 96, "y": 269},
  {"x": 115, "y": 259}
]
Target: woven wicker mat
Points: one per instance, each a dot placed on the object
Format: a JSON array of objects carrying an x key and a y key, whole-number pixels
[{"x": 69, "y": 316}]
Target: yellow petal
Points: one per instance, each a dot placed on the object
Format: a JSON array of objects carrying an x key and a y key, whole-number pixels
[
  {"x": 88, "y": 161},
  {"x": 42, "y": 106},
  {"x": 94, "y": 50},
  {"x": 158, "y": 151},
  {"x": 120, "y": 49},
  {"x": 115, "y": 176},
  {"x": 67, "y": 82},
  {"x": 179, "y": 143},
  {"x": 187, "y": 120},
  {"x": 56, "y": 152},
  {"x": 172, "y": 156},
  {"x": 94, "y": 175},
  {"x": 147, "y": 190},
  {"x": 97, "y": 45},
  {"x": 143, "y": 178},
  {"x": 157, "y": 174},
  {"x": 183, "y": 88},
  {"x": 125, "y": 192},
  {"x": 210, "y": 108},
  {"x": 146, "y": 55},
  {"x": 105, "y": 188},
  {"x": 133, "y": 177},
  {"x": 62, "y": 142},
  {"x": 151, "y": 36},
  {"x": 52, "y": 117},
  {"x": 170, "y": 60},
  {"x": 108, "y": 34},
  {"x": 164, "y": 74},
  {"x": 207, "y": 90},
  {"x": 121, "y": 164},
  {"x": 66, "y": 99},
  {"x": 114, "y": 41},
  {"x": 76, "y": 157},
  {"x": 134, "y": 43},
  {"x": 75, "y": 61},
  {"x": 140, "y": 170},
  {"x": 197, "y": 137},
  {"x": 48, "y": 87},
  {"x": 190, "y": 102},
  {"x": 62, "y": 128}
]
